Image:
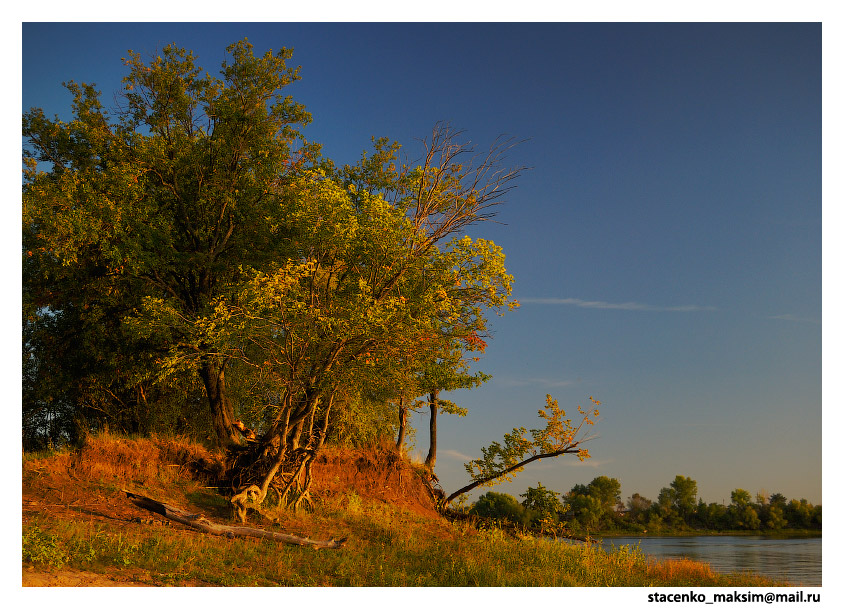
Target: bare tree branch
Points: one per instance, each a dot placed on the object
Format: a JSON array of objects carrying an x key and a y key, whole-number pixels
[{"x": 454, "y": 193}]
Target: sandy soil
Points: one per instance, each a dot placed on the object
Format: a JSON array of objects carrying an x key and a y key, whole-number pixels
[{"x": 73, "y": 578}]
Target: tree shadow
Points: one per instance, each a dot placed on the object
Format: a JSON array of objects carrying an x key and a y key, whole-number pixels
[{"x": 210, "y": 504}]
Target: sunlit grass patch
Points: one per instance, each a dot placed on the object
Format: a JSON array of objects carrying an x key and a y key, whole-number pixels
[
  {"x": 388, "y": 544},
  {"x": 385, "y": 549}
]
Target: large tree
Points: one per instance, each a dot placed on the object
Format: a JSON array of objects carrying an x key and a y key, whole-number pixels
[
  {"x": 177, "y": 198},
  {"x": 218, "y": 242},
  {"x": 360, "y": 291}
]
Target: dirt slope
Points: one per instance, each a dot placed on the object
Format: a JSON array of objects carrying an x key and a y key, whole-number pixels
[
  {"x": 373, "y": 474},
  {"x": 86, "y": 485}
]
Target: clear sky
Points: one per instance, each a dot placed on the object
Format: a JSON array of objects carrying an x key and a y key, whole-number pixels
[{"x": 666, "y": 244}]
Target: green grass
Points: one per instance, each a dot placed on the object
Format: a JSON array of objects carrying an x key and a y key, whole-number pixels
[{"x": 386, "y": 548}]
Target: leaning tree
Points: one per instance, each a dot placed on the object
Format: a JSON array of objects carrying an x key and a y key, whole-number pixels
[{"x": 560, "y": 436}]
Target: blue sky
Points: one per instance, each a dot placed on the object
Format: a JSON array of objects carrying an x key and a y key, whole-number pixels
[{"x": 666, "y": 244}]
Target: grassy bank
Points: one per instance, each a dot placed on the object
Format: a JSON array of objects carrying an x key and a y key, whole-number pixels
[
  {"x": 76, "y": 518},
  {"x": 386, "y": 548}
]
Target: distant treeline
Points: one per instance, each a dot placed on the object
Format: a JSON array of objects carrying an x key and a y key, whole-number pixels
[{"x": 598, "y": 506}]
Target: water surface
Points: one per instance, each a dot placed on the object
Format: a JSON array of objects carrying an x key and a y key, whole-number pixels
[{"x": 797, "y": 560}]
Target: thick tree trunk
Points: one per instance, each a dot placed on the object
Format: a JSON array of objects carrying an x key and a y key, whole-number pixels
[
  {"x": 280, "y": 459},
  {"x": 222, "y": 414},
  {"x": 403, "y": 421},
  {"x": 432, "y": 428}
]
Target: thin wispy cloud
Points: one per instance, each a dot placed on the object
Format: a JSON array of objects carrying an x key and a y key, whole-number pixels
[
  {"x": 563, "y": 462},
  {"x": 534, "y": 381},
  {"x": 628, "y": 306},
  {"x": 790, "y": 318},
  {"x": 456, "y": 454},
  {"x": 588, "y": 463}
]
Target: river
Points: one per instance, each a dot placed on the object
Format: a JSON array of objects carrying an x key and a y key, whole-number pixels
[{"x": 798, "y": 560}]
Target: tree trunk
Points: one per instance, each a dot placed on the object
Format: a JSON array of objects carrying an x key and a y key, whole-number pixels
[
  {"x": 432, "y": 428},
  {"x": 403, "y": 421},
  {"x": 202, "y": 524},
  {"x": 222, "y": 414}
]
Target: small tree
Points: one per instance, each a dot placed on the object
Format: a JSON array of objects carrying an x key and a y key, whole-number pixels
[
  {"x": 777, "y": 499},
  {"x": 638, "y": 507},
  {"x": 504, "y": 507},
  {"x": 593, "y": 505},
  {"x": 608, "y": 491},
  {"x": 666, "y": 507},
  {"x": 684, "y": 493},
  {"x": 447, "y": 371},
  {"x": 544, "y": 503},
  {"x": 746, "y": 518},
  {"x": 741, "y": 513},
  {"x": 776, "y": 519},
  {"x": 587, "y": 510},
  {"x": 678, "y": 501}
]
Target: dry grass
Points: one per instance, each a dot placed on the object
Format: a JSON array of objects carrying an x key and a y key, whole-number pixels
[
  {"x": 686, "y": 572},
  {"x": 681, "y": 569},
  {"x": 379, "y": 473},
  {"x": 140, "y": 460},
  {"x": 75, "y": 517},
  {"x": 119, "y": 458}
]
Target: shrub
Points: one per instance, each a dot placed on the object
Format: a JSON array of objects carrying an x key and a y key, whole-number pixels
[
  {"x": 504, "y": 507},
  {"x": 41, "y": 547}
]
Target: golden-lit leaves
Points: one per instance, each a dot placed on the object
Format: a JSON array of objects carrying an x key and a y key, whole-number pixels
[
  {"x": 240, "y": 242},
  {"x": 559, "y": 436}
]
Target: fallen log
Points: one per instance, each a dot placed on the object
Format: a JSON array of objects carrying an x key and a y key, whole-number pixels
[{"x": 198, "y": 522}]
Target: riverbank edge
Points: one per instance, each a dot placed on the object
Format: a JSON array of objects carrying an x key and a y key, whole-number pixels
[{"x": 780, "y": 535}]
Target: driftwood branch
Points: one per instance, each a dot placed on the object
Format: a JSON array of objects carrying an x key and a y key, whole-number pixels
[{"x": 198, "y": 522}]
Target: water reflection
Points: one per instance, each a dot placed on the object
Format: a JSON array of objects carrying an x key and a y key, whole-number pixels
[{"x": 798, "y": 560}]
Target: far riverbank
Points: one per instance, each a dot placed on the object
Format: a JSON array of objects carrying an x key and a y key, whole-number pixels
[{"x": 775, "y": 535}]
